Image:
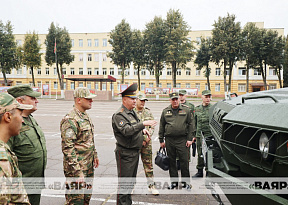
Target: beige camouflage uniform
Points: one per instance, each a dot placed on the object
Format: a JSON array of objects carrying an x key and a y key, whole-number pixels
[
  {"x": 77, "y": 132},
  {"x": 9, "y": 171},
  {"x": 146, "y": 151}
]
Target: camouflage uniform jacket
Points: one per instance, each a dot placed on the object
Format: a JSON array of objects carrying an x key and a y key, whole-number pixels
[
  {"x": 127, "y": 129},
  {"x": 176, "y": 124},
  {"x": 190, "y": 105},
  {"x": 77, "y": 133},
  {"x": 9, "y": 170},
  {"x": 144, "y": 115},
  {"x": 202, "y": 120},
  {"x": 30, "y": 148}
]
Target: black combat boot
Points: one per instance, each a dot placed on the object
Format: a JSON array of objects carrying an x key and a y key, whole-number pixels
[{"x": 199, "y": 173}]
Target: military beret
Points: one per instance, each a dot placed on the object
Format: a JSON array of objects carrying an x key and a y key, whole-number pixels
[
  {"x": 182, "y": 92},
  {"x": 83, "y": 92},
  {"x": 130, "y": 91},
  {"x": 8, "y": 103},
  {"x": 174, "y": 95},
  {"x": 21, "y": 90},
  {"x": 206, "y": 92}
]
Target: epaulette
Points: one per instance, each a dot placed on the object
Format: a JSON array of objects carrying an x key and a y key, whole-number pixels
[
  {"x": 121, "y": 110},
  {"x": 147, "y": 108},
  {"x": 3, "y": 154},
  {"x": 185, "y": 105}
]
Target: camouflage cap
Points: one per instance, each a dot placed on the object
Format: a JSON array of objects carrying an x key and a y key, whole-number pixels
[
  {"x": 8, "y": 103},
  {"x": 206, "y": 92},
  {"x": 83, "y": 92},
  {"x": 182, "y": 92},
  {"x": 130, "y": 91},
  {"x": 174, "y": 95},
  {"x": 21, "y": 90},
  {"x": 141, "y": 96}
]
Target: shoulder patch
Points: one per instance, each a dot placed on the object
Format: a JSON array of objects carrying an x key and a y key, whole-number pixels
[
  {"x": 185, "y": 105},
  {"x": 3, "y": 154},
  {"x": 121, "y": 123},
  {"x": 122, "y": 109},
  {"x": 147, "y": 108}
]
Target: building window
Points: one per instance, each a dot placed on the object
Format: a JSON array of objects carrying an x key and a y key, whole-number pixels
[
  {"x": 198, "y": 71},
  {"x": 96, "y": 42},
  {"x": 127, "y": 72},
  {"x": 227, "y": 71},
  {"x": 72, "y": 85},
  {"x": 152, "y": 72},
  {"x": 143, "y": 71},
  {"x": 206, "y": 86},
  {"x": 188, "y": 85},
  {"x": 89, "y": 42},
  {"x": 104, "y": 42},
  {"x": 257, "y": 71},
  {"x": 72, "y": 42},
  {"x": 64, "y": 85},
  {"x": 188, "y": 71},
  {"x": 151, "y": 85},
  {"x": 72, "y": 71},
  {"x": 80, "y": 71},
  {"x": 135, "y": 71},
  {"x": 80, "y": 84},
  {"x": 197, "y": 85},
  {"x": 55, "y": 71},
  {"x": 18, "y": 82},
  {"x": 169, "y": 71},
  {"x": 96, "y": 71},
  {"x": 38, "y": 71},
  {"x": 80, "y": 57},
  {"x": 47, "y": 71},
  {"x": 89, "y": 71},
  {"x": 198, "y": 40},
  {"x": 19, "y": 42},
  {"x": 178, "y": 72},
  {"x": 96, "y": 56},
  {"x": 30, "y": 71},
  {"x": 19, "y": 71},
  {"x": 104, "y": 71},
  {"x": 80, "y": 42},
  {"x": 56, "y": 85},
  {"x": 242, "y": 71},
  {"x": 89, "y": 57},
  {"x": 39, "y": 84},
  {"x": 39, "y": 42},
  {"x": 160, "y": 85},
  {"x": 217, "y": 72},
  {"x": 111, "y": 72},
  {"x": 272, "y": 86},
  {"x": 96, "y": 86},
  {"x": 142, "y": 86},
  {"x": 241, "y": 87},
  {"x": 217, "y": 87},
  {"x": 272, "y": 71},
  {"x": 89, "y": 85},
  {"x": 178, "y": 85},
  {"x": 169, "y": 85},
  {"x": 64, "y": 71},
  {"x": 104, "y": 87},
  {"x": 104, "y": 57},
  {"x": 119, "y": 71}
]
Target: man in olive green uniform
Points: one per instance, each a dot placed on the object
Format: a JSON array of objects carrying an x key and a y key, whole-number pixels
[
  {"x": 183, "y": 101},
  {"x": 202, "y": 125},
  {"x": 176, "y": 127},
  {"x": 11, "y": 189},
  {"x": 30, "y": 145},
  {"x": 144, "y": 113},
  {"x": 128, "y": 131},
  {"x": 78, "y": 147}
]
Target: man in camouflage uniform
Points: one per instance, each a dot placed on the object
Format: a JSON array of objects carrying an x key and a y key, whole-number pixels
[
  {"x": 30, "y": 145},
  {"x": 177, "y": 128},
  {"x": 11, "y": 192},
  {"x": 128, "y": 131},
  {"x": 78, "y": 147},
  {"x": 144, "y": 113},
  {"x": 202, "y": 125}
]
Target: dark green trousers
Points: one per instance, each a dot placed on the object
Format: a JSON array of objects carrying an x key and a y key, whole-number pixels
[
  {"x": 177, "y": 146},
  {"x": 200, "y": 159},
  {"x": 127, "y": 165}
]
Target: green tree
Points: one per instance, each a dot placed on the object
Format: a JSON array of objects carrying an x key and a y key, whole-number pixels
[
  {"x": 32, "y": 55},
  {"x": 154, "y": 38},
  {"x": 178, "y": 48},
  {"x": 226, "y": 44},
  {"x": 138, "y": 53},
  {"x": 250, "y": 35},
  {"x": 203, "y": 57},
  {"x": 8, "y": 49},
  {"x": 121, "y": 41},
  {"x": 62, "y": 54},
  {"x": 285, "y": 63}
]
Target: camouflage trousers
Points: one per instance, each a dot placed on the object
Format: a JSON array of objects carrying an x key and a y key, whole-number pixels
[
  {"x": 146, "y": 157},
  {"x": 79, "y": 197}
]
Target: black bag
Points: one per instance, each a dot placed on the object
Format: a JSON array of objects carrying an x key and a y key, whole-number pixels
[
  {"x": 162, "y": 160},
  {"x": 193, "y": 149}
]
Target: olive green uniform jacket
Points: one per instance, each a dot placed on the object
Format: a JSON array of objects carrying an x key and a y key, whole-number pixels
[{"x": 190, "y": 105}]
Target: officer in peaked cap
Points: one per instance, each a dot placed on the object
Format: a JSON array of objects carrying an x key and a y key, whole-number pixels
[{"x": 128, "y": 131}]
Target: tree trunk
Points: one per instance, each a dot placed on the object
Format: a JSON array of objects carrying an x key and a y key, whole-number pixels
[
  {"x": 33, "y": 78},
  {"x": 247, "y": 78},
  {"x": 174, "y": 73},
  {"x": 278, "y": 71},
  {"x": 122, "y": 74},
  {"x": 230, "y": 75},
  {"x": 207, "y": 76},
  {"x": 224, "y": 74},
  {"x": 59, "y": 77},
  {"x": 264, "y": 74},
  {"x": 138, "y": 73},
  {"x": 4, "y": 76},
  {"x": 157, "y": 74}
]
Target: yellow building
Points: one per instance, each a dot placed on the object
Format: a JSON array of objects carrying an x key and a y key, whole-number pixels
[{"x": 90, "y": 58}]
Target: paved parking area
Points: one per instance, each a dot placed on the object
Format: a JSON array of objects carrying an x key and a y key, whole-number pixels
[{"x": 49, "y": 115}]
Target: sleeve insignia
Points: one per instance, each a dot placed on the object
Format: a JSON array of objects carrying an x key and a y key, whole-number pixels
[{"x": 121, "y": 123}]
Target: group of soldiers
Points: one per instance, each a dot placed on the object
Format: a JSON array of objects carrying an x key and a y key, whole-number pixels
[{"x": 133, "y": 125}]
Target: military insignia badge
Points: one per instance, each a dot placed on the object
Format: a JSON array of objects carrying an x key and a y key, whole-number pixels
[{"x": 121, "y": 123}]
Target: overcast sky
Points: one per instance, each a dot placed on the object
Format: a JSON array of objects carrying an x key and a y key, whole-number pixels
[{"x": 96, "y": 16}]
